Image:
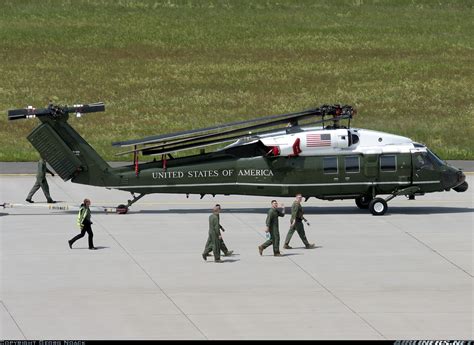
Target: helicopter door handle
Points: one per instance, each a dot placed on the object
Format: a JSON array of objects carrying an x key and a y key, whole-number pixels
[{"x": 336, "y": 179}]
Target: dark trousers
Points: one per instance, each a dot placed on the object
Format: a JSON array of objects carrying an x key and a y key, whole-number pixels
[{"x": 87, "y": 228}]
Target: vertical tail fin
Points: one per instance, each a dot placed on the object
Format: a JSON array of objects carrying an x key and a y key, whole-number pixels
[
  {"x": 55, "y": 151},
  {"x": 62, "y": 147},
  {"x": 68, "y": 153}
]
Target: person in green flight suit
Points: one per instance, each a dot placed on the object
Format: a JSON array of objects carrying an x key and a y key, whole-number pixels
[
  {"x": 224, "y": 249},
  {"x": 296, "y": 223},
  {"x": 213, "y": 241},
  {"x": 41, "y": 182},
  {"x": 272, "y": 229}
]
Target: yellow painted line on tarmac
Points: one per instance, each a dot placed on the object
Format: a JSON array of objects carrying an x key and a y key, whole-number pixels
[{"x": 19, "y": 175}]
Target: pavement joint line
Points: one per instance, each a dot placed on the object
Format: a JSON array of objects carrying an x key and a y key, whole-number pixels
[
  {"x": 439, "y": 254},
  {"x": 336, "y": 297},
  {"x": 432, "y": 249},
  {"x": 154, "y": 282},
  {"x": 325, "y": 288},
  {"x": 16, "y": 323},
  {"x": 247, "y": 224}
]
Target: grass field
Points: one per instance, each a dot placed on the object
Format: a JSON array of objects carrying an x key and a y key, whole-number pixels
[{"x": 161, "y": 66}]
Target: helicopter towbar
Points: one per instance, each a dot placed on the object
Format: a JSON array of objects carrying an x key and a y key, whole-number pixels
[{"x": 55, "y": 111}]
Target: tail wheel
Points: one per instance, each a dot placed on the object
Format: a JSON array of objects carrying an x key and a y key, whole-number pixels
[
  {"x": 122, "y": 209},
  {"x": 378, "y": 207},
  {"x": 363, "y": 202}
]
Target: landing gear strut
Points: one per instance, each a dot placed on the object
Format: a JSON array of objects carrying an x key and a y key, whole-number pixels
[
  {"x": 123, "y": 209},
  {"x": 363, "y": 202},
  {"x": 378, "y": 206}
]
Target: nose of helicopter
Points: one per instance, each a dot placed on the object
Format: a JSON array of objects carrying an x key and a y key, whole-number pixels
[{"x": 455, "y": 180}]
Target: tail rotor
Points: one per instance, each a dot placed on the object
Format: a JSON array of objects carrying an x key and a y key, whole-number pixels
[{"x": 54, "y": 111}]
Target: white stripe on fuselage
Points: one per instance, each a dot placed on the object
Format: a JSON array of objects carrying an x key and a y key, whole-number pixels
[{"x": 274, "y": 184}]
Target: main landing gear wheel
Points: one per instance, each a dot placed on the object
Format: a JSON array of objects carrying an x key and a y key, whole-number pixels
[
  {"x": 363, "y": 202},
  {"x": 122, "y": 209},
  {"x": 378, "y": 206}
]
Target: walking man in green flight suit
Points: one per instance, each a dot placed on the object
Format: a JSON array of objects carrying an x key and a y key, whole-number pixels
[
  {"x": 214, "y": 240},
  {"x": 296, "y": 223},
  {"x": 224, "y": 249},
  {"x": 41, "y": 182},
  {"x": 272, "y": 228}
]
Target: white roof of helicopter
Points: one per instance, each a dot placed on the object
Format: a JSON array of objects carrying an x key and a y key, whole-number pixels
[{"x": 369, "y": 141}]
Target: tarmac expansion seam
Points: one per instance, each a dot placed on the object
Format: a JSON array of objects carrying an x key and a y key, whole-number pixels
[
  {"x": 16, "y": 323},
  {"x": 438, "y": 253},
  {"x": 337, "y": 298},
  {"x": 432, "y": 249},
  {"x": 153, "y": 281},
  {"x": 324, "y": 287}
]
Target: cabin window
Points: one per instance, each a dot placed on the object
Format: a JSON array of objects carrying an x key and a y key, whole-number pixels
[
  {"x": 352, "y": 164},
  {"x": 388, "y": 163},
  {"x": 330, "y": 165}
]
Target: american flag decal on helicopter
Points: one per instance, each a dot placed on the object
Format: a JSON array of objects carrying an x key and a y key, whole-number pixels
[{"x": 318, "y": 140}]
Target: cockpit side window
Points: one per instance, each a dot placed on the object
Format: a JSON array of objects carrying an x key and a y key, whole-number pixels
[{"x": 423, "y": 161}]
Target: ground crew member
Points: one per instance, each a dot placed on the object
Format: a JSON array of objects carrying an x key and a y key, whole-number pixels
[
  {"x": 224, "y": 249},
  {"x": 84, "y": 223},
  {"x": 296, "y": 223},
  {"x": 213, "y": 241},
  {"x": 41, "y": 182},
  {"x": 272, "y": 228}
]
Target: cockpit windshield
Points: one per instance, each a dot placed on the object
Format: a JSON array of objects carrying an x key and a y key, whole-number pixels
[
  {"x": 427, "y": 160},
  {"x": 435, "y": 158}
]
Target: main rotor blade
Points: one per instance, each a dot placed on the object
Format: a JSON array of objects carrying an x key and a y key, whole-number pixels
[
  {"x": 163, "y": 149},
  {"x": 198, "y": 132},
  {"x": 212, "y": 135},
  {"x": 236, "y": 130},
  {"x": 185, "y": 147}
]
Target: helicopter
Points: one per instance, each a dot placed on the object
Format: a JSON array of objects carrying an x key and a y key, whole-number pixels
[{"x": 307, "y": 152}]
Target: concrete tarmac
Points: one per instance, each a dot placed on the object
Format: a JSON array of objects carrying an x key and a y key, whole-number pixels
[{"x": 405, "y": 275}]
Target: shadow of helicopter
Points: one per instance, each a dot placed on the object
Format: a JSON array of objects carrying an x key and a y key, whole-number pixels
[
  {"x": 319, "y": 210},
  {"x": 394, "y": 210}
]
